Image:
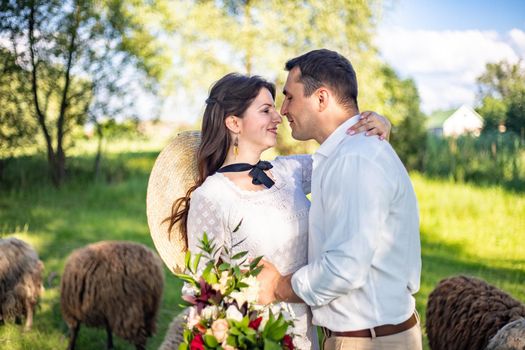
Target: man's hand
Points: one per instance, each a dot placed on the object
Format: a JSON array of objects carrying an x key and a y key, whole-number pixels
[{"x": 268, "y": 281}]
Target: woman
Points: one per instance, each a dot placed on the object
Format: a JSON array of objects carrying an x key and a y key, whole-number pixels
[{"x": 240, "y": 122}]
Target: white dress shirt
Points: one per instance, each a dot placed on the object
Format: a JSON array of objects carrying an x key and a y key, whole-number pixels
[{"x": 364, "y": 251}]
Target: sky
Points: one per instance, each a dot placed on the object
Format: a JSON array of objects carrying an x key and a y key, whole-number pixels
[{"x": 444, "y": 45}]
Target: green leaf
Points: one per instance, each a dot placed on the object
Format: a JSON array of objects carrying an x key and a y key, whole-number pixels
[
  {"x": 183, "y": 346},
  {"x": 187, "y": 278},
  {"x": 238, "y": 226},
  {"x": 245, "y": 321},
  {"x": 239, "y": 243},
  {"x": 187, "y": 259},
  {"x": 237, "y": 271},
  {"x": 224, "y": 267},
  {"x": 186, "y": 335},
  {"x": 271, "y": 345},
  {"x": 234, "y": 331},
  {"x": 255, "y": 262},
  {"x": 196, "y": 262},
  {"x": 208, "y": 275},
  {"x": 242, "y": 285},
  {"x": 239, "y": 255},
  {"x": 210, "y": 340},
  {"x": 256, "y": 271},
  {"x": 277, "y": 333},
  {"x": 232, "y": 341}
]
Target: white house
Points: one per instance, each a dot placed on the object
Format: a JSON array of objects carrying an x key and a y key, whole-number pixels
[{"x": 464, "y": 120}]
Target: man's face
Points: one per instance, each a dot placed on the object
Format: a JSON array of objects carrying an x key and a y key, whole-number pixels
[{"x": 298, "y": 109}]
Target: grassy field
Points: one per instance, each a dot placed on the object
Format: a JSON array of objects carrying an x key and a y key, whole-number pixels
[{"x": 465, "y": 229}]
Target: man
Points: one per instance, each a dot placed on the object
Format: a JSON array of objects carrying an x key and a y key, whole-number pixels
[{"x": 364, "y": 248}]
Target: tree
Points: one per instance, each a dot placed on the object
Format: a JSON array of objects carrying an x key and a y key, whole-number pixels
[
  {"x": 17, "y": 128},
  {"x": 400, "y": 102},
  {"x": 258, "y": 37},
  {"x": 501, "y": 94},
  {"x": 72, "y": 52}
]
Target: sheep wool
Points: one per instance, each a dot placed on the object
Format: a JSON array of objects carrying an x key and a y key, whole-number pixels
[
  {"x": 20, "y": 280},
  {"x": 466, "y": 312},
  {"x": 510, "y": 337},
  {"x": 113, "y": 285},
  {"x": 174, "y": 335}
]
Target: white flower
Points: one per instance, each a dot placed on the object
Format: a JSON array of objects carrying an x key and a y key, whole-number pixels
[
  {"x": 233, "y": 313},
  {"x": 210, "y": 312},
  {"x": 220, "y": 329},
  {"x": 193, "y": 317},
  {"x": 223, "y": 283},
  {"x": 248, "y": 294},
  {"x": 252, "y": 291},
  {"x": 240, "y": 297}
]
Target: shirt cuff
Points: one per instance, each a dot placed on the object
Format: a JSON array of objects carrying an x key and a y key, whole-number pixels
[{"x": 301, "y": 287}]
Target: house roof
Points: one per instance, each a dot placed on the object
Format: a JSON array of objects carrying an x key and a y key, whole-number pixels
[{"x": 437, "y": 118}]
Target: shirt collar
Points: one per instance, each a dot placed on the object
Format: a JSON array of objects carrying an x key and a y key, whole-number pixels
[{"x": 329, "y": 145}]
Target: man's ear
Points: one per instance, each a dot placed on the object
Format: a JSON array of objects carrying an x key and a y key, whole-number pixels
[
  {"x": 233, "y": 123},
  {"x": 323, "y": 98}
]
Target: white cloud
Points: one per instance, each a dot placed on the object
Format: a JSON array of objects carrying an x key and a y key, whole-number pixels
[
  {"x": 518, "y": 41},
  {"x": 445, "y": 64}
]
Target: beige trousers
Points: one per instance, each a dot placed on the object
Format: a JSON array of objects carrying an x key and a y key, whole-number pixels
[{"x": 407, "y": 340}]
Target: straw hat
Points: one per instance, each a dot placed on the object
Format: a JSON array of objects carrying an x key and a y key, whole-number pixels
[{"x": 174, "y": 172}]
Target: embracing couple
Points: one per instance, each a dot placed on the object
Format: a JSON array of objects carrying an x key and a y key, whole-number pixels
[{"x": 349, "y": 262}]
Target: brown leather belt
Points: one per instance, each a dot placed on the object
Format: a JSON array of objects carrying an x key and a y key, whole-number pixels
[{"x": 380, "y": 331}]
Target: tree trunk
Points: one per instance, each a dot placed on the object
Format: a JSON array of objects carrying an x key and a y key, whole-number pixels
[
  {"x": 41, "y": 117},
  {"x": 98, "y": 157}
]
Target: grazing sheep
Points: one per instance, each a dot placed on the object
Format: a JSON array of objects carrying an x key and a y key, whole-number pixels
[
  {"x": 114, "y": 285},
  {"x": 20, "y": 280},
  {"x": 466, "y": 312},
  {"x": 174, "y": 336},
  {"x": 510, "y": 337}
]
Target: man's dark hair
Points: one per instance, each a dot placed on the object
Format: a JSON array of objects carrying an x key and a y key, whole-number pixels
[{"x": 330, "y": 69}]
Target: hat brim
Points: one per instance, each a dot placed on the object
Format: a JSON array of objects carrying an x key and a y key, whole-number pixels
[{"x": 173, "y": 173}]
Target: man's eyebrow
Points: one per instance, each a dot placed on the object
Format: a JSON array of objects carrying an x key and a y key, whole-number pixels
[{"x": 285, "y": 92}]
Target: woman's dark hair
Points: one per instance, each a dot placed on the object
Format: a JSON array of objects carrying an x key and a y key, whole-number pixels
[{"x": 231, "y": 95}]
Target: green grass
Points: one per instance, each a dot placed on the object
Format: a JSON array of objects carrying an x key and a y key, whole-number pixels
[{"x": 464, "y": 229}]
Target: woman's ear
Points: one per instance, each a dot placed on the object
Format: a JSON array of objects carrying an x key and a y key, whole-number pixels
[{"x": 233, "y": 123}]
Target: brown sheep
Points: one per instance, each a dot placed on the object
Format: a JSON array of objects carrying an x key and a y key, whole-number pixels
[
  {"x": 466, "y": 312},
  {"x": 113, "y": 285},
  {"x": 20, "y": 280}
]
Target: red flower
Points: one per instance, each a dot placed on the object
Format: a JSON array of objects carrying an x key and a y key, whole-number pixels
[
  {"x": 287, "y": 342},
  {"x": 197, "y": 343},
  {"x": 255, "y": 323}
]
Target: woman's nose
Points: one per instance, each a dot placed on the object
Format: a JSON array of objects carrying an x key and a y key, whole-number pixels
[{"x": 277, "y": 117}]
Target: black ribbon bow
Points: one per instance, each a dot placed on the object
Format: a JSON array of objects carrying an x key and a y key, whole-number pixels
[{"x": 256, "y": 172}]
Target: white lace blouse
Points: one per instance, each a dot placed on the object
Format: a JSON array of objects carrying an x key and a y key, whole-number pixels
[{"x": 274, "y": 224}]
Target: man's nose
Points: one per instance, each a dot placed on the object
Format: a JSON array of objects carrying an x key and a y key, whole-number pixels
[{"x": 284, "y": 107}]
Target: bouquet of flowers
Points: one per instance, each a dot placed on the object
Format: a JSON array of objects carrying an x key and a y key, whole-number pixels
[{"x": 223, "y": 313}]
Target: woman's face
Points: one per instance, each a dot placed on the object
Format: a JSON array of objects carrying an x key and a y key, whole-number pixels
[{"x": 259, "y": 125}]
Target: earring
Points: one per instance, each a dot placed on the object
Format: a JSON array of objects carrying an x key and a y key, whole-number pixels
[{"x": 236, "y": 146}]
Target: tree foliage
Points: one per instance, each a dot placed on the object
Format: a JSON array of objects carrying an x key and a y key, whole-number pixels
[
  {"x": 258, "y": 37},
  {"x": 502, "y": 96},
  {"x": 68, "y": 55},
  {"x": 401, "y": 103}
]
